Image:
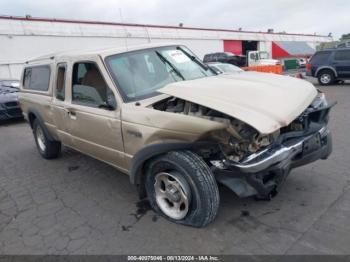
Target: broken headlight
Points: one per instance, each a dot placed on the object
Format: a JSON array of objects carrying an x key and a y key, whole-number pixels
[{"x": 320, "y": 101}]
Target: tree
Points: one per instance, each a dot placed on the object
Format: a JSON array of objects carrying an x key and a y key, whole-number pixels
[{"x": 345, "y": 37}]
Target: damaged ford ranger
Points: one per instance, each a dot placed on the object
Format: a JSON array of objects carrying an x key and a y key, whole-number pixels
[{"x": 158, "y": 114}]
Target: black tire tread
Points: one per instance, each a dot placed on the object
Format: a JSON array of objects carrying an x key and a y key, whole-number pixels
[
  {"x": 204, "y": 179},
  {"x": 331, "y": 73},
  {"x": 208, "y": 181},
  {"x": 53, "y": 148}
]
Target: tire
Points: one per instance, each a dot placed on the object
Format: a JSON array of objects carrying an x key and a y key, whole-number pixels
[
  {"x": 48, "y": 149},
  {"x": 185, "y": 174},
  {"x": 326, "y": 77}
]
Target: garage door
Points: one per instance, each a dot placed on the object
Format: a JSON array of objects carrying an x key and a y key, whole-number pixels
[{"x": 233, "y": 46}]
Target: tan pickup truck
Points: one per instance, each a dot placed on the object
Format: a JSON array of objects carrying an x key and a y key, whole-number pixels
[{"x": 158, "y": 114}]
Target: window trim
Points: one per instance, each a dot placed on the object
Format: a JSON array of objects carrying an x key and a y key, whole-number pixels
[
  {"x": 36, "y": 90},
  {"x": 104, "y": 79},
  {"x": 64, "y": 65}
]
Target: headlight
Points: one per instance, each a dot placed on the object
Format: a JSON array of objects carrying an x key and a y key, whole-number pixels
[{"x": 320, "y": 101}]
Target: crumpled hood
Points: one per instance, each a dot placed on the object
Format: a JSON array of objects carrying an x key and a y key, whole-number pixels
[{"x": 265, "y": 101}]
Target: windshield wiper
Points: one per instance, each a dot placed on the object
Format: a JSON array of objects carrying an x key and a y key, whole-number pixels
[
  {"x": 194, "y": 59},
  {"x": 170, "y": 64}
]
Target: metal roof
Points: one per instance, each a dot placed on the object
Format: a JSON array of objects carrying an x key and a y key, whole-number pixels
[
  {"x": 295, "y": 48},
  {"x": 58, "y": 20}
]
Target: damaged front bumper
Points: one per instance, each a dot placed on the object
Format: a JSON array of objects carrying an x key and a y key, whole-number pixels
[{"x": 262, "y": 173}]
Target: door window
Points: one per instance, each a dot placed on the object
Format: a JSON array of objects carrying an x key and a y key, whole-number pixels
[
  {"x": 343, "y": 55},
  {"x": 37, "y": 78},
  {"x": 222, "y": 56},
  {"x": 60, "y": 81},
  {"x": 89, "y": 88},
  {"x": 253, "y": 56},
  {"x": 320, "y": 57}
]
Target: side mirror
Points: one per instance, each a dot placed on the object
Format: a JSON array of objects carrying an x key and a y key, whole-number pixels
[
  {"x": 106, "y": 106},
  {"x": 111, "y": 103}
]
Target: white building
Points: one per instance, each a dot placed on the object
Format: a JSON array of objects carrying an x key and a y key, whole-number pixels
[{"x": 24, "y": 38}]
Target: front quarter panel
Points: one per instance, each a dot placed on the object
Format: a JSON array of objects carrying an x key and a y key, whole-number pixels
[{"x": 142, "y": 126}]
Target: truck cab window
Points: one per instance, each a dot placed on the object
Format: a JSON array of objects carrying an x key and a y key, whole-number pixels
[
  {"x": 60, "y": 81},
  {"x": 37, "y": 78},
  {"x": 89, "y": 88}
]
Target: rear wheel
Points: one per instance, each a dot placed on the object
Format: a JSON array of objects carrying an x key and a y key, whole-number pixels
[
  {"x": 48, "y": 149},
  {"x": 181, "y": 187},
  {"x": 326, "y": 77}
]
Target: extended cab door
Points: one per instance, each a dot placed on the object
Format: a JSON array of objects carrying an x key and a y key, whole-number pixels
[
  {"x": 341, "y": 63},
  {"x": 60, "y": 103},
  {"x": 94, "y": 113}
]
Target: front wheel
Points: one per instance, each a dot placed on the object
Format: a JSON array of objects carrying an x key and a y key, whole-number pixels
[
  {"x": 326, "y": 77},
  {"x": 181, "y": 187}
]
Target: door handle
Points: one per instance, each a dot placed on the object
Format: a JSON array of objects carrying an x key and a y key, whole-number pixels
[{"x": 70, "y": 112}]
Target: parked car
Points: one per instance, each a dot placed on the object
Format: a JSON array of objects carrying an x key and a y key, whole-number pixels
[
  {"x": 9, "y": 107},
  {"x": 253, "y": 58},
  {"x": 225, "y": 57},
  {"x": 261, "y": 58},
  {"x": 158, "y": 114},
  {"x": 330, "y": 65},
  {"x": 221, "y": 68},
  {"x": 302, "y": 62}
]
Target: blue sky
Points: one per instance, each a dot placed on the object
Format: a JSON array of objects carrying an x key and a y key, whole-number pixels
[{"x": 293, "y": 16}]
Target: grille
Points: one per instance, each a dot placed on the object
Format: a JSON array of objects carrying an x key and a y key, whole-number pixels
[
  {"x": 11, "y": 104},
  {"x": 3, "y": 116},
  {"x": 14, "y": 112}
]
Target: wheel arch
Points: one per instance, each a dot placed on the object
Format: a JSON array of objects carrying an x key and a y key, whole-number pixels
[
  {"x": 326, "y": 68},
  {"x": 149, "y": 152},
  {"x": 33, "y": 114}
]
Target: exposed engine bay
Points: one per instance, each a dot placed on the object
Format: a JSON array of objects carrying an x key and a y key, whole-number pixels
[
  {"x": 239, "y": 140},
  {"x": 242, "y": 150}
]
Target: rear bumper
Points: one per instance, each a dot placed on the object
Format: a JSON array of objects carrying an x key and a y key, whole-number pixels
[{"x": 263, "y": 173}]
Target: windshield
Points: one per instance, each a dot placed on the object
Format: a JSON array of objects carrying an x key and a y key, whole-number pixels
[
  {"x": 139, "y": 74},
  {"x": 264, "y": 55},
  {"x": 228, "y": 68}
]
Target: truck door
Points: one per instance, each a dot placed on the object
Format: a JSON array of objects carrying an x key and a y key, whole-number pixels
[
  {"x": 253, "y": 58},
  {"x": 94, "y": 114},
  {"x": 60, "y": 103},
  {"x": 341, "y": 63}
]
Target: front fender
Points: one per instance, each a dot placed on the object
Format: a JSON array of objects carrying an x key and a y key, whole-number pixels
[{"x": 153, "y": 150}]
